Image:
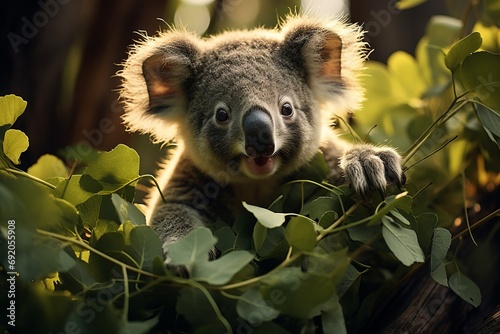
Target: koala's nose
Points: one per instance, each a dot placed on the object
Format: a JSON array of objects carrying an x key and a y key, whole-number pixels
[{"x": 258, "y": 130}]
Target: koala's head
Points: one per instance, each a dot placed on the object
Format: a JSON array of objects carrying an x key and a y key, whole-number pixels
[{"x": 246, "y": 104}]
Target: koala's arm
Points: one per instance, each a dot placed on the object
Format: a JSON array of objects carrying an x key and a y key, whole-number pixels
[
  {"x": 365, "y": 167},
  {"x": 185, "y": 206}
]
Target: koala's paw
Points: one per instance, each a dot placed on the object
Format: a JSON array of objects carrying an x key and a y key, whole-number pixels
[{"x": 369, "y": 168}]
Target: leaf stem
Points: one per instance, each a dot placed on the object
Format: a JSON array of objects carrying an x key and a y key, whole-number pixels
[
  {"x": 126, "y": 293},
  {"x": 450, "y": 112},
  {"x": 477, "y": 224},
  {"x": 212, "y": 302},
  {"x": 339, "y": 221},
  {"x": 29, "y": 176},
  {"x": 92, "y": 249}
]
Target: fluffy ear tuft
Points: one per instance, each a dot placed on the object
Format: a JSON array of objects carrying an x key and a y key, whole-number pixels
[
  {"x": 153, "y": 78},
  {"x": 333, "y": 54}
]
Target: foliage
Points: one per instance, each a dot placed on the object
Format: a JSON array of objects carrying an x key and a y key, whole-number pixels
[{"x": 319, "y": 259}]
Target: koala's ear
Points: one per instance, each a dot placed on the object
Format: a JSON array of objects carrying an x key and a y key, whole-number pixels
[
  {"x": 166, "y": 71},
  {"x": 332, "y": 54},
  {"x": 320, "y": 50},
  {"x": 153, "y": 80}
]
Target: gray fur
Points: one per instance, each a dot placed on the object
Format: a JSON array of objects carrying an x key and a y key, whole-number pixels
[{"x": 291, "y": 80}]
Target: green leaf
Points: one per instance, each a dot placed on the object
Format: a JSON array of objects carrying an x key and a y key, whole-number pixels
[
  {"x": 424, "y": 226},
  {"x": 395, "y": 213},
  {"x": 323, "y": 204},
  {"x": 194, "y": 306},
  {"x": 112, "y": 170},
  {"x": 403, "y": 243},
  {"x": 221, "y": 271},
  {"x": 327, "y": 219},
  {"x": 127, "y": 211},
  {"x": 15, "y": 142},
  {"x": 332, "y": 317},
  {"x": 104, "y": 319},
  {"x": 465, "y": 288},
  {"x": 407, "y": 4},
  {"x": 144, "y": 246},
  {"x": 11, "y": 107},
  {"x": 439, "y": 275},
  {"x": 441, "y": 242},
  {"x": 47, "y": 167},
  {"x": 275, "y": 244},
  {"x": 112, "y": 244},
  {"x": 194, "y": 247},
  {"x": 350, "y": 276},
  {"x": 408, "y": 81},
  {"x": 300, "y": 233},
  {"x": 138, "y": 327},
  {"x": 480, "y": 73},
  {"x": 40, "y": 257},
  {"x": 71, "y": 191},
  {"x": 461, "y": 49},
  {"x": 490, "y": 119},
  {"x": 259, "y": 236},
  {"x": 266, "y": 217},
  {"x": 255, "y": 309},
  {"x": 402, "y": 201},
  {"x": 297, "y": 292}
]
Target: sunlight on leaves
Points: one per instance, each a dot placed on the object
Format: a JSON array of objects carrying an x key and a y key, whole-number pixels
[
  {"x": 15, "y": 142},
  {"x": 266, "y": 217},
  {"x": 11, "y": 107},
  {"x": 462, "y": 49}
]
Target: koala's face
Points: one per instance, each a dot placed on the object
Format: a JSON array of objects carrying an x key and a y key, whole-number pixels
[
  {"x": 250, "y": 112},
  {"x": 246, "y": 104}
]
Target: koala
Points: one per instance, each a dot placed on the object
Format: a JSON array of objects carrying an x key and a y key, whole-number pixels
[{"x": 247, "y": 109}]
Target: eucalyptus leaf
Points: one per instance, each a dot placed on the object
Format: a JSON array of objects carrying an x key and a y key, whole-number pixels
[
  {"x": 48, "y": 167},
  {"x": 407, "y": 4},
  {"x": 439, "y": 275},
  {"x": 15, "y": 142},
  {"x": 462, "y": 49},
  {"x": 480, "y": 74},
  {"x": 222, "y": 270},
  {"x": 490, "y": 119},
  {"x": 11, "y": 107},
  {"x": 259, "y": 236},
  {"x": 144, "y": 247},
  {"x": 441, "y": 242},
  {"x": 403, "y": 243},
  {"x": 323, "y": 204},
  {"x": 402, "y": 201},
  {"x": 194, "y": 306},
  {"x": 297, "y": 292},
  {"x": 127, "y": 211},
  {"x": 300, "y": 233},
  {"x": 194, "y": 247},
  {"x": 465, "y": 288},
  {"x": 266, "y": 217},
  {"x": 112, "y": 170},
  {"x": 255, "y": 309}
]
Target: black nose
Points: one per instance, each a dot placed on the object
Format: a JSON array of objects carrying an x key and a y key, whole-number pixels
[{"x": 258, "y": 130}]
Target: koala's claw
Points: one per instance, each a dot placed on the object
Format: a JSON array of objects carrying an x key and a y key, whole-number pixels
[{"x": 369, "y": 168}]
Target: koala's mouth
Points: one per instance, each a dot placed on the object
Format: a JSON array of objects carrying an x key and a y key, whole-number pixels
[{"x": 260, "y": 166}]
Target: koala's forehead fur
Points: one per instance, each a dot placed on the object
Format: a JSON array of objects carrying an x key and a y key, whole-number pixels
[{"x": 245, "y": 68}]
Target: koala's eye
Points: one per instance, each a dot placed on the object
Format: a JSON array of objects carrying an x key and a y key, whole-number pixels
[
  {"x": 221, "y": 115},
  {"x": 286, "y": 110}
]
